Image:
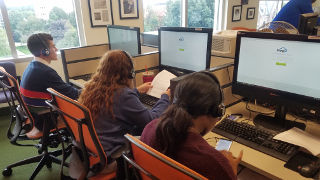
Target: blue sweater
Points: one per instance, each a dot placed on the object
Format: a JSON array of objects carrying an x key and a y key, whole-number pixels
[
  {"x": 291, "y": 11},
  {"x": 131, "y": 116},
  {"x": 36, "y": 78}
]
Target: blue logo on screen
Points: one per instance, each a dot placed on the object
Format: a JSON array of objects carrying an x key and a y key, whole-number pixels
[
  {"x": 181, "y": 38},
  {"x": 282, "y": 50}
]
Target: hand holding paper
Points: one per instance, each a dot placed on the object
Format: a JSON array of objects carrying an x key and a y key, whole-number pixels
[{"x": 160, "y": 83}]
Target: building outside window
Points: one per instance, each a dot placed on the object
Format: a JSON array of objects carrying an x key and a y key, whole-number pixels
[{"x": 33, "y": 16}]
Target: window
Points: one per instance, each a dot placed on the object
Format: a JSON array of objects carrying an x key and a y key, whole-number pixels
[
  {"x": 4, "y": 45},
  {"x": 161, "y": 13},
  {"x": 199, "y": 13},
  {"x": 32, "y": 16},
  {"x": 268, "y": 9}
]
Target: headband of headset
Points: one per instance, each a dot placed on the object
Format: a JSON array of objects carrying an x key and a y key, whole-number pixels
[{"x": 132, "y": 74}]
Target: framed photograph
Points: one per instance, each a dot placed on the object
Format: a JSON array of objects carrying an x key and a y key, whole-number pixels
[
  {"x": 244, "y": 2},
  {"x": 251, "y": 13},
  {"x": 128, "y": 9},
  {"x": 236, "y": 13},
  {"x": 100, "y": 13}
]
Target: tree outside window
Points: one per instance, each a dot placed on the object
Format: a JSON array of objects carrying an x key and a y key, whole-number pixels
[
  {"x": 34, "y": 16},
  {"x": 168, "y": 13},
  {"x": 4, "y": 45}
]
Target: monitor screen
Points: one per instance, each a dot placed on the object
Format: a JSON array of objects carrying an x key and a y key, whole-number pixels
[
  {"x": 185, "y": 49},
  {"x": 307, "y": 24},
  {"x": 278, "y": 68},
  {"x": 124, "y": 38}
]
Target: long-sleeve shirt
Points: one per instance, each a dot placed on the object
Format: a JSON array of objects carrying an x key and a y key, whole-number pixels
[
  {"x": 36, "y": 78},
  {"x": 195, "y": 153},
  {"x": 291, "y": 11},
  {"x": 131, "y": 116}
]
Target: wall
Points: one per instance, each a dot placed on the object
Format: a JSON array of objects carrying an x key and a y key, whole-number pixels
[
  {"x": 252, "y": 23},
  {"x": 98, "y": 35}
]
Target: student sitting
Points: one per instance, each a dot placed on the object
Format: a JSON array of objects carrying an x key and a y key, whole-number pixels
[
  {"x": 178, "y": 133},
  {"x": 114, "y": 103}
]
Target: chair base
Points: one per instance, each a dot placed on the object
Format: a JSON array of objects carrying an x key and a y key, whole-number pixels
[{"x": 46, "y": 158}]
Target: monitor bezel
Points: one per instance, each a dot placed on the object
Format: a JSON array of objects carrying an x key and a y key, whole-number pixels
[
  {"x": 273, "y": 96},
  {"x": 137, "y": 29},
  {"x": 303, "y": 22},
  {"x": 184, "y": 29}
]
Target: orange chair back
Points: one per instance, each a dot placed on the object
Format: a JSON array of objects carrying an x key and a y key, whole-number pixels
[
  {"x": 78, "y": 120},
  {"x": 157, "y": 164}
]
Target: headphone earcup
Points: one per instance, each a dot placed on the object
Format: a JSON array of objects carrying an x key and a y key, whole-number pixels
[
  {"x": 132, "y": 75},
  {"x": 45, "y": 52}
]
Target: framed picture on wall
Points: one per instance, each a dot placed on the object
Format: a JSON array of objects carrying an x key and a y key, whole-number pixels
[
  {"x": 128, "y": 9},
  {"x": 100, "y": 13},
  {"x": 244, "y": 2},
  {"x": 251, "y": 13},
  {"x": 236, "y": 13}
]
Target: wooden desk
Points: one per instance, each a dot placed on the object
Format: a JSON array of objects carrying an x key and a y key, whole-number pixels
[{"x": 257, "y": 161}]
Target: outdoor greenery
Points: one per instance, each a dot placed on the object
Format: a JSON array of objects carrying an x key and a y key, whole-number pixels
[
  {"x": 200, "y": 14},
  {"x": 23, "y": 21}
]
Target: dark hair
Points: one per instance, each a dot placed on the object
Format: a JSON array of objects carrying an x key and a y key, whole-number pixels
[
  {"x": 194, "y": 96},
  {"x": 37, "y": 42},
  {"x": 111, "y": 76}
]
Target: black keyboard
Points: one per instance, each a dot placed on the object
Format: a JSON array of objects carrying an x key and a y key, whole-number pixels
[
  {"x": 255, "y": 138},
  {"x": 148, "y": 100}
]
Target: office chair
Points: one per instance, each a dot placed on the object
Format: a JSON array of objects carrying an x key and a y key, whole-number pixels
[
  {"x": 9, "y": 67},
  {"x": 22, "y": 127},
  {"x": 154, "y": 165},
  {"x": 84, "y": 138}
]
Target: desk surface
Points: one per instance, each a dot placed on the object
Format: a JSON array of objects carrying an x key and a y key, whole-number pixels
[{"x": 262, "y": 163}]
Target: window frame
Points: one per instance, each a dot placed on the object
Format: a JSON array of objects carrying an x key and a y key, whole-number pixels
[{"x": 14, "y": 55}]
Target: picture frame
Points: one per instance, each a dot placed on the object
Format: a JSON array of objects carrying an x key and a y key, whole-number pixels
[
  {"x": 251, "y": 13},
  {"x": 244, "y": 2},
  {"x": 236, "y": 13},
  {"x": 100, "y": 13},
  {"x": 128, "y": 9}
]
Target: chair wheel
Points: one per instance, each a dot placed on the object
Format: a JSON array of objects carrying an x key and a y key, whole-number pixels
[{"x": 7, "y": 172}]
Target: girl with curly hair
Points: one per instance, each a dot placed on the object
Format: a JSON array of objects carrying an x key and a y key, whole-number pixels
[{"x": 114, "y": 102}]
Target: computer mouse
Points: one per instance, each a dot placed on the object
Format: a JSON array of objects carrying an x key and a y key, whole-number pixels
[{"x": 308, "y": 170}]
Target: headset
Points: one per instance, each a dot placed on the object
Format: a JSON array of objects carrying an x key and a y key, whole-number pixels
[
  {"x": 132, "y": 74},
  {"x": 220, "y": 110},
  {"x": 44, "y": 51}
]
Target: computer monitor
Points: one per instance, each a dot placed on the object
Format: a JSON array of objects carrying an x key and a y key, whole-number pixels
[
  {"x": 307, "y": 23},
  {"x": 184, "y": 50},
  {"x": 124, "y": 38},
  {"x": 280, "y": 69}
]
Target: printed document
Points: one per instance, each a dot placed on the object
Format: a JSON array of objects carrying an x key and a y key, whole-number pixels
[
  {"x": 160, "y": 83},
  {"x": 301, "y": 138}
]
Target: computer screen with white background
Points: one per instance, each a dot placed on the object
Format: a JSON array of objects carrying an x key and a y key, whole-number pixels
[
  {"x": 185, "y": 50},
  {"x": 290, "y": 66}
]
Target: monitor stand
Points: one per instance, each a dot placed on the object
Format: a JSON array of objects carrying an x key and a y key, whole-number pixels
[{"x": 278, "y": 122}]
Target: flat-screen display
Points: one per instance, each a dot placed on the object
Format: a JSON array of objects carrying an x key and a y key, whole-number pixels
[
  {"x": 124, "y": 38},
  {"x": 186, "y": 49}
]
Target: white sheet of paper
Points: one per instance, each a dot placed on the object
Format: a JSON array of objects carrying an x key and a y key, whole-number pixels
[
  {"x": 301, "y": 138},
  {"x": 160, "y": 83}
]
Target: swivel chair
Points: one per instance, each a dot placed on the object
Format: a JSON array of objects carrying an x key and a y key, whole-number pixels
[
  {"x": 154, "y": 165},
  {"x": 79, "y": 123},
  {"x": 22, "y": 128}
]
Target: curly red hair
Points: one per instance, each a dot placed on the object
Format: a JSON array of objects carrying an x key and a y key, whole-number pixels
[{"x": 111, "y": 76}]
